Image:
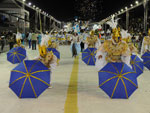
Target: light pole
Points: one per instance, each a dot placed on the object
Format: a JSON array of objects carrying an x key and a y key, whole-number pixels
[
  {"x": 44, "y": 24},
  {"x": 23, "y": 6},
  {"x": 127, "y": 20},
  {"x": 145, "y": 15}
]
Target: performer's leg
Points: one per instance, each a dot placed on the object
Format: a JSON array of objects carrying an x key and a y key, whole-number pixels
[
  {"x": 29, "y": 44},
  {"x": 35, "y": 45},
  {"x": 32, "y": 45}
]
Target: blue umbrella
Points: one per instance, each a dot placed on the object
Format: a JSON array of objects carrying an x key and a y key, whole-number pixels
[
  {"x": 118, "y": 80},
  {"x": 29, "y": 79},
  {"x": 56, "y": 53},
  {"x": 16, "y": 55},
  {"x": 88, "y": 56},
  {"x": 137, "y": 65},
  {"x": 146, "y": 59}
]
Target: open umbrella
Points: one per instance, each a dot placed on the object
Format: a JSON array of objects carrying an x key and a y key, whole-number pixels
[
  {"x": 88, "y": 56},
  {"x": 16, "y": 55},
  {"x": 137, "y": 65},
  {"x": 146, "y": 59},
  {"x": 29, "y": 79},
  {"x": 118, "y": 80},
  {"x": 56, "y": 53}
]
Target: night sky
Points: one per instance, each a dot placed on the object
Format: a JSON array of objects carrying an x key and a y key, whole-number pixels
[{"x": 64, "y": 10}]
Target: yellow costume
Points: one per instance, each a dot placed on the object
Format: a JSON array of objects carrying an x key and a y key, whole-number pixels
[
  {"x": 146, "y": 44},
  {"x": 18, "y": 43},
  {"x": 92, "y": 41},
  {"x": 53, "y": 45},
  {"x": 115, "y": 48},
  {"x": 127, "y": 39},
  {"x": 114, "y": 51},
  {"x": 47, "y": 58}
]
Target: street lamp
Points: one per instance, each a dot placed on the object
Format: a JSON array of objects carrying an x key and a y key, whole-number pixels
[
  {"x": 131, "y": 5},
  {"x": 29, "y": 3},
  {"x": 126, "y": 8},
  {"x": 23, "y": 0},
  {"x": 137, "y": 2}
]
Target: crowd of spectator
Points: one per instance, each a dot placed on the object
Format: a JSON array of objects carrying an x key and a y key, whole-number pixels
[{"x": 8, "y": 38}]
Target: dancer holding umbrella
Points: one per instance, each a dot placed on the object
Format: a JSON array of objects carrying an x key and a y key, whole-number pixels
[
  {"x": 136, "y": 61},
  {"x": 146, "y": 44},
  {"x": 91, "y": 45},
  {"x": 18, "y": 40},
  {"x": 48, "y": 58},
  {"x": 53, "y": 46},
  {"x": 31, "y": 77},
  {"x": 116, "y": 77},
  {"x": 113, "y": 50},
  {"x": 145, "y": 51},
  {"x": 18, "y": 53},
  {"x": 92, "y": 41}
]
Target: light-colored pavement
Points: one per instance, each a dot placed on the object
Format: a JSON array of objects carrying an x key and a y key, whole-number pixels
[{"x": 91, "y": 99}]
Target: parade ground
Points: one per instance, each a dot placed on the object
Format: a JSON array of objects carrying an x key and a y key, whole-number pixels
[{"x": 74, "y": 90}]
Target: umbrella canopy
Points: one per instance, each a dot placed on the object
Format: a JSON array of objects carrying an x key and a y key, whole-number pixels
[
  {"x": 29, "y": 79},
  {"x": 88, "y": 56},
  {"x": 146, "y": 59},
  {"x": 56, "y": 53},
  {"x": 137, "y": 65},
  {"x": 16, "y": 55},
  {"x": 118, "y": 80}
]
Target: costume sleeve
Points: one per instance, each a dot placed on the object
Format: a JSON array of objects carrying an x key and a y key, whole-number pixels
[
  {"x": 143, "y": 47},
  {"x": 100, "y": 63}
]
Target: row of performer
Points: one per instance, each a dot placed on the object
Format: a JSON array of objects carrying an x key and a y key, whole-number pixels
[{"x": 117, "y": 61}]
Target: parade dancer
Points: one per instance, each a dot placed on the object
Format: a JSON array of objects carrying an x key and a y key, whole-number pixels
[
  {"x": 113, "y": 50},
  {"x": 127, "y": 38},
  {"x": 18, "y": 40},
  {"x": 146, "y": 44},
  {"x": 46, "y": 57},
  {"x": 75, "y": 45},
  {"x": 92, "y": 41}
]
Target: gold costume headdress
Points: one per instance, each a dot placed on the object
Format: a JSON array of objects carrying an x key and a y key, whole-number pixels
[
  {"x": 18, "y": 41},
  {"x": 42, "y": 50},
  {"x": 43, "y": 47},
  {"x": 116, "y": 35},
  {"x": 116, "y": 31},
  {"x": 92, "y": 32}
]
